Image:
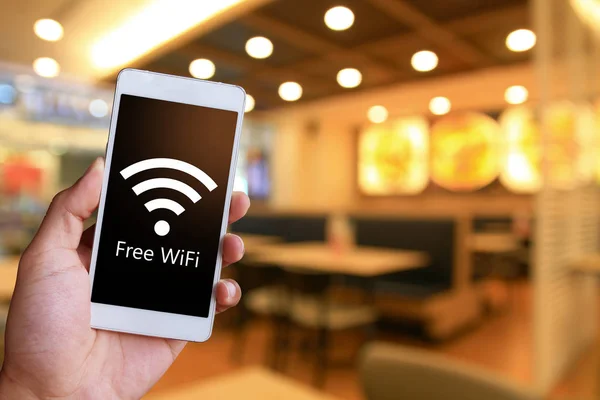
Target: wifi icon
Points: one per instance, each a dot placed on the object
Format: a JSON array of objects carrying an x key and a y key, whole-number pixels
[{"x": 162, "y": 228}]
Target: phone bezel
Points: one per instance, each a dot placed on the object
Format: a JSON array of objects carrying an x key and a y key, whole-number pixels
[{"x": 181, "y": 90}]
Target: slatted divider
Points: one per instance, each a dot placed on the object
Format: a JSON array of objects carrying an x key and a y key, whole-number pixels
[{"x": 567, "y": 219}]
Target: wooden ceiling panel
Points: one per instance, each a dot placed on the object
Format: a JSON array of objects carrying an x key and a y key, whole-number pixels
[
  {"x": 370, "y": 23},
  {"x": 233, "y": 38},
  {"x": 465, "y": 34},
  {"x": 447, "y": 10},
  {"x": 494, "y": 42}
]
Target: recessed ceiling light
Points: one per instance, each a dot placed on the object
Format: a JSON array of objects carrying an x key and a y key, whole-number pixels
[
  {"x": 377, "y": 114},
  {"x": 516, "y": 94},
  {"x": 46, "y": 67},
  {"x": 290, "y": 91},
  {"x": 440, "y": 105},
  {"x": 48, "y": 29},
  {"x": 98, "y": 108},
  {"x": 349, "y": 77},
  {"x": 250, "y": 103},
  {"x": 259, "y": 47},
  {"x": 202, "y": 68},
  {"x": 521, "y": 40},
  {"x": 339, "y": 18},
  {"x": 424, "y": 60}
]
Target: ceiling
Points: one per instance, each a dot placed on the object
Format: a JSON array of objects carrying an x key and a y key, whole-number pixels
[
  {"x": 466, "y": 35},
  {"x": 85, "y": 23}
]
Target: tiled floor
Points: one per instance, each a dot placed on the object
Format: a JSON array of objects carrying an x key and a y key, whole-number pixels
[{"x": 502, "y": 344}]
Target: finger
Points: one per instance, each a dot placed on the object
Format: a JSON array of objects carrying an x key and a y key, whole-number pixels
[
  {"x": 85, "y": 246},
  {"x": 63, "y": 224},
  {"x": 240, "y": 203},
  {"x": 87, "y": 238},
  {"x": 233, "y": 249},
  {"x": 228, "y": 294}
]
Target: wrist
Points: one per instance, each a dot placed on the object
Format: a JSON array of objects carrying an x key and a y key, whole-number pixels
[{"x": 11, "y": 389}]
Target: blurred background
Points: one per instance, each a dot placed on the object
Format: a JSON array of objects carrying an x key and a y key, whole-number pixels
[{"x": 424, "y": 179}]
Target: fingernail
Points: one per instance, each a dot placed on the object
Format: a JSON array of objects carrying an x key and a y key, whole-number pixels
[
  {"x": 98, "y": 163},
  {"x": 231, "y": 289},
  {"x": 242, "y": 244}
]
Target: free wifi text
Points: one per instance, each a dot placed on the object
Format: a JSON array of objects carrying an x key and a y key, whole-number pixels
[{"x": 184, "y": 258}]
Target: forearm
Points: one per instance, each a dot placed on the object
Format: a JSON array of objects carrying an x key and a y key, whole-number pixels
[{"x": 11, "y": 389}]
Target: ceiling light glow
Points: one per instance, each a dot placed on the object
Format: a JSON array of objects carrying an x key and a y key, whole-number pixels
[
  {"x": 349, "y": 78},
  {"x": 516, "y": 94},
  {"x": 156, "y": 24},
  {"x": 377, "y": 114},
  {"x": 46, "y": 67},
  {"x": 440, "y": 105},
  {"x": 250, "y": 103},
  {"x": 48, "y": 29},
  {"x": 290, "y": 91},
  {"x": 259, "y": 47},
  {"x": 339, "y": 18},
  {"x": 521, "y": 40},
  {"x": 202, "y": 68},
  {"x": 424, "y": 60}
]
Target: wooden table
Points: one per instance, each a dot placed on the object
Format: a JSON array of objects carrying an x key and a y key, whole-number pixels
[
  {"x": 248, "y": 384},
  {"x": 493, "y": 243},
  {"x": 357, "y": 261},
  {"x": 254, "y": 241},
  {"x": 8, "y": 277}
]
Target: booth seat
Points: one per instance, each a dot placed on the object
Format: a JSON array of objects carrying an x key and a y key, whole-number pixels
[
  {"x": 435, "y": 237},
  {"x": 430, "y": 295}
]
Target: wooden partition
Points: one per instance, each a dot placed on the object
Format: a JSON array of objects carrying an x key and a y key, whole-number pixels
[{"x": 567, "y": 215}]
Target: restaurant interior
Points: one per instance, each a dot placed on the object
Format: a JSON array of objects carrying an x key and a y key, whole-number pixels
[{"x": 424, "y": 178}]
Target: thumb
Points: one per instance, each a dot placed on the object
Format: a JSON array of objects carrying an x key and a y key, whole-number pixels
[{"x": 63, "y": 224}]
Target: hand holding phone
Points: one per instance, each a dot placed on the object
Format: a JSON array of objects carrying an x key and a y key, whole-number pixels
[{"x": 50, "y": 350}]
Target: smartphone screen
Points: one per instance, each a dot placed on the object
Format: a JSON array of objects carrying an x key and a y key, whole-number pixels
[{"x": 164, "y": 205}]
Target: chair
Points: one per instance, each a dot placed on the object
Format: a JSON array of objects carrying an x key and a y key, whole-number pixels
[
  {"x": 264, "y": 296},
  {"x": 390, "y": 372},
  {"x": 311, "y": 307}
]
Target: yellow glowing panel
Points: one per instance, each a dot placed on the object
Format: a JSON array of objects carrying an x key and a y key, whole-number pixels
[
  {"x": 393, "y": 158},
  {"x": 465, "y": 151},
  {"x": 522, "y": 158},
  {"x": 587, "y": 139}
]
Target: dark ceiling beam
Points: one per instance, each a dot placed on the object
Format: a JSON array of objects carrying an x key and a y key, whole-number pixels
[
  {"x": 313, "y": 43},
  {"x": 193, "y": 51},
  {"x": 251, "y": 66},
  {"x": 517, "y": 15},
  {"x": 365, "y": 54},
  {"x": 465, "y": 26},
  {"x": 288, "y": 33},
  {"x": 435, "y": 33}
]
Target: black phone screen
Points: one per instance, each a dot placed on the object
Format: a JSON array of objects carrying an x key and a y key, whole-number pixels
[{"x": 164, "y": 204}]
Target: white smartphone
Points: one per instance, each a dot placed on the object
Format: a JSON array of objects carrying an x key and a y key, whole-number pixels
[{"x": 170, "y": 166}]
